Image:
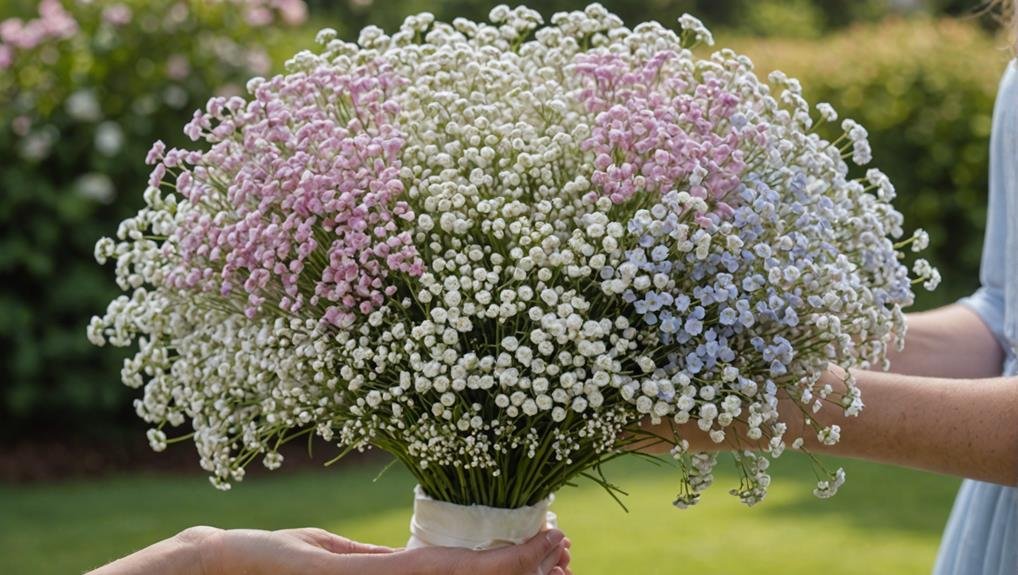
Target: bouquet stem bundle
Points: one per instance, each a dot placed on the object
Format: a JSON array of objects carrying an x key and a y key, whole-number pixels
[{"x": 491, "y": 250}]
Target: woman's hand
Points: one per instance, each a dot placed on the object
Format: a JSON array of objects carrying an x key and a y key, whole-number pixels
[
  {"x": 546, "y": 553},
  {"x": 949, "y": 426},
  {"x": 211, "y": 551},
  {"x": 309, "y": 551},
  {"x": 257, "y": 552}
]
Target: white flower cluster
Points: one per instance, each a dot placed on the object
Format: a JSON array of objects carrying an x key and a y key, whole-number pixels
[{"x": 603, "y": 228}]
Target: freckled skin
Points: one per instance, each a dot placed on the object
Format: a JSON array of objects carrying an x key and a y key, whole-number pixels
[{"x": 938, "y": 409}]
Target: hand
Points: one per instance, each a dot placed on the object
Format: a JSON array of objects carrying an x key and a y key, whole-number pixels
[
  {"x": 296, "y": 551},
  {"x": 211, "y": 551},
  {"x": 310, "y": 551},
  {"x": 546, "y": 553}
]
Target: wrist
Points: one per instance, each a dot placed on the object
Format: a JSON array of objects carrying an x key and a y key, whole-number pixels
[
  {"x": 804, "y": 421},
  {"x": 183, "y": 553},
  {"x": 430, "y": 561},
  {"x": 196, "y": 548}
]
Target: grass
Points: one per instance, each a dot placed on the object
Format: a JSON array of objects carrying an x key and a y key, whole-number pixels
[{"x": 884, "y": 520}]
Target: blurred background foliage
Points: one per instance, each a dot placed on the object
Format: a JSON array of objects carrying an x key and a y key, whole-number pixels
[
  {"x": 87, "y": 88},
  {"x": 78, "y": 112}
]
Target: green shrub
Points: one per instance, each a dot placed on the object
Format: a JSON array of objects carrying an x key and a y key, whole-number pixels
[
  {"x": 85, "y": 88},
  {"x": 925, "y": 91}
]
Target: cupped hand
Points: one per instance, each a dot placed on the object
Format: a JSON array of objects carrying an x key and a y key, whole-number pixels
[
  {"x": 316, "y": 551},
  {"x": 296, "y": 551},
  {"x": 546, "y": 553}
]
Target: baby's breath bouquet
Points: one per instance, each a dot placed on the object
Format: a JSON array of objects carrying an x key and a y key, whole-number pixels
[{"x": 491, "y": 250}]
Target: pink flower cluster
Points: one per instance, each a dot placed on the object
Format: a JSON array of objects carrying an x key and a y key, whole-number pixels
[
  {"x": 300, "y": 194},
  {"x": 652, "y": 132},
  {"x": 15, "y": 34},
  {"x": 117, "y": 15},
  {"x": 259, "y": 13}
]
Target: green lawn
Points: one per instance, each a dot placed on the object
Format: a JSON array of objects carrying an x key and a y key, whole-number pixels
[{"x": 883, "y": 521}]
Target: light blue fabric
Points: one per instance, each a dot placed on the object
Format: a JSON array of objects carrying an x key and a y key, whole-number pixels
[{"x": 981, "y": 537}]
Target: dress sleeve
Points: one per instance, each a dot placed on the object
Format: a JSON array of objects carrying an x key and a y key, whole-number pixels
[{"x": 990, "y": 301}]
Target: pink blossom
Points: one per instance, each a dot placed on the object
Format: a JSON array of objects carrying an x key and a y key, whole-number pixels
[
  {"x": 53, "y": 23},
  {"x": 155, "y": 153},
  {"x": 292, "y": 12},
  {"x": 656, "y": 134},
  {"x": 117, "y": 15},
  {"x": 314, "y": 196},
  {"x": 258, "y": 16},
  {"x": 21, "y": 125},
  {"x": 177, "y": 67}
]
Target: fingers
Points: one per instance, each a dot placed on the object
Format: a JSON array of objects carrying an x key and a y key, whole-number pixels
[
  {"x": 551, "y": 561},
  {"x": 563, "y": 554},
  {"x": 542, "y": 552},
  {"x": 564, "y": 557},
  {"x": 544, "y": 543},
  {"x": 557, "y": 561},
  {"x": 352, "y": 546}
]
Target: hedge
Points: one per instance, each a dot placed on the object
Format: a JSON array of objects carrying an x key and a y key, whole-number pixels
[
  {"x": 85, "y": 88},
  {"x": 925, "y": 91}
]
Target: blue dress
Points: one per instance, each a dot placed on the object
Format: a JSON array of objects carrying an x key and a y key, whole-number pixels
[{"x": 981, "y": 537}]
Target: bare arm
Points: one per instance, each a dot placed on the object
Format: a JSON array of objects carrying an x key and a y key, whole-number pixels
[
  {"x": 967, "y": 428},
  {"x": 208, "y": 551},
  {"x": 180, "y": 554},
  {"x": 921, "y": 417},
  {"x": 950, "y": 342}
]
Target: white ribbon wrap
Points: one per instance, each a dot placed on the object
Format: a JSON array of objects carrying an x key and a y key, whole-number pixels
[{"x": 441, "y": 524}]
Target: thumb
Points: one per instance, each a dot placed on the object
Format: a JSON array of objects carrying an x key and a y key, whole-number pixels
[
  {"x": 342, "y": 545},
  {"x": 337, "y": 544}
]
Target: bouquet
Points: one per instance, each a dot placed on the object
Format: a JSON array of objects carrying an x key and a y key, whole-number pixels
[{"x": 490, "y": 250}]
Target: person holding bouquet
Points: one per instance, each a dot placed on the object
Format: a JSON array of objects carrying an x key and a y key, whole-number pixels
[
  {"x": 489, "y": 249},
  {"x": 950, "y": 398}
]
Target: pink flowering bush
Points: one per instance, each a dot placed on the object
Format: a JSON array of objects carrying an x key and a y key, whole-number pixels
[
  {"x": 84, "y": 89},
  {"x": 53, "y": 23}
]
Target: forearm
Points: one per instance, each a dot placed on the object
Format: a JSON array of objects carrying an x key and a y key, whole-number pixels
[
  {"x": 967, "y": 428},
  {"x": 179, "y": 555},
  {"x": 950, "y": 342}
]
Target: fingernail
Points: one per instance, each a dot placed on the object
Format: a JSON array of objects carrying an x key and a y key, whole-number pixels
[{"x": 555, "y": 537}]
